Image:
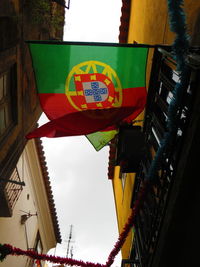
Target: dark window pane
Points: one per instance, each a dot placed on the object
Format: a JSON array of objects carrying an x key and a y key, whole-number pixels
[
  {"x": 5, "y": 83},
  {"x": 1, "y": 88},
  {"x": 2, "y": 121},
  {"x": 8, "y": 117}
]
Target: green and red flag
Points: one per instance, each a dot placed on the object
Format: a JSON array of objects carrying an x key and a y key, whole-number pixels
[{"x": 86, "y": 88}]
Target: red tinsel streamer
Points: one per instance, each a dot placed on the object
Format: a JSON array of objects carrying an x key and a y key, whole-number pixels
[
  {"x": 130, "y": 223},
  {"x": 34, "y": 255},
  {"x": 7, "y": 249}
]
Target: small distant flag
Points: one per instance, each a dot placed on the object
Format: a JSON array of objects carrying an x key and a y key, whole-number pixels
[{"x": 88, "y": 89}]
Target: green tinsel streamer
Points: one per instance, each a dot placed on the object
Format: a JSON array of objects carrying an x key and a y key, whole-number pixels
[{"x": 177, "y": 20}]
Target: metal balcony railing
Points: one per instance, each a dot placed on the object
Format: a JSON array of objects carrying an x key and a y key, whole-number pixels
[
  {"x": 13, "y": 189},
  {"x": 130, "y": 263}
]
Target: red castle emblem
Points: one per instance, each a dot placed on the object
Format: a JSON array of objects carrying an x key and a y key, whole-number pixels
[{"x": 95, "y": 90}]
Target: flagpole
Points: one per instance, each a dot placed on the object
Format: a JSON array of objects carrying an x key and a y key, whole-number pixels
[{"x": 99, "y": 44}]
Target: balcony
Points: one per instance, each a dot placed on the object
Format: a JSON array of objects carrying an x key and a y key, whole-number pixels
[
  {"x": 10, "y": 191},
  {"x": 167, "y": 225}
]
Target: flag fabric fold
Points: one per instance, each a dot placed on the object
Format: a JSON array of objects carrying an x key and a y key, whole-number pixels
[{"x": 86, "y": 122}]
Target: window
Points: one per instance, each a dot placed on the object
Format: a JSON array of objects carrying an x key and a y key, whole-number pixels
[
  {"x": 8, "y": 100},
  {"x": 39, "y": 249},
  {"x": 123, "y": 178},
  {"x": 5, "y": 116},
  {"x": 38, "y": 244}
]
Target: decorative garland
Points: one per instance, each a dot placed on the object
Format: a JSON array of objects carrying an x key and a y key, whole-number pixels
[
  {"x": 178, "y": 25},
  {"x": 180, "y": 48},
  {"x": 7, "y": 249}
]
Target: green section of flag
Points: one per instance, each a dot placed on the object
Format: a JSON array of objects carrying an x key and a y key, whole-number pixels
[
  {"x": 100, "y": 139},
  {"x": 53, "y": 62}
]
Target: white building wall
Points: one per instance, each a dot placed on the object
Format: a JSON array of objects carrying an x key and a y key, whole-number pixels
[{"x": 33, "y": 199}]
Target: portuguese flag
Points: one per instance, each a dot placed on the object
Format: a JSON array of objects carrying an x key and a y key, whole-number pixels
[{"x": 85, "y": 88}]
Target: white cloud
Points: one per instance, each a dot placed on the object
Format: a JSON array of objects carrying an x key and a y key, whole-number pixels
[{"x": 93, "y": 20}]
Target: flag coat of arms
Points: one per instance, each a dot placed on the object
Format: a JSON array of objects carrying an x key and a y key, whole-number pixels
[{"x": 86, "y": 88}]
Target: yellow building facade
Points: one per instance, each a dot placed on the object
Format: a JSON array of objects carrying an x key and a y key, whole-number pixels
[{"x": 148, "y": 24}]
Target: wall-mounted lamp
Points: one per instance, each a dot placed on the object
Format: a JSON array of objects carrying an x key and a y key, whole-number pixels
[{"x": 26, "y": 216}]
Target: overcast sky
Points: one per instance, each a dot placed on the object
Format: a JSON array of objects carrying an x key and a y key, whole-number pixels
[{"x": 82, "y": 192}]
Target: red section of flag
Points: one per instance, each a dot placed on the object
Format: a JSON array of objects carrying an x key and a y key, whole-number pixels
[
  {"x": 58, "y": 105},
  {"x": 55, "y": 105},
  {"x": 134, "y": 97}
]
